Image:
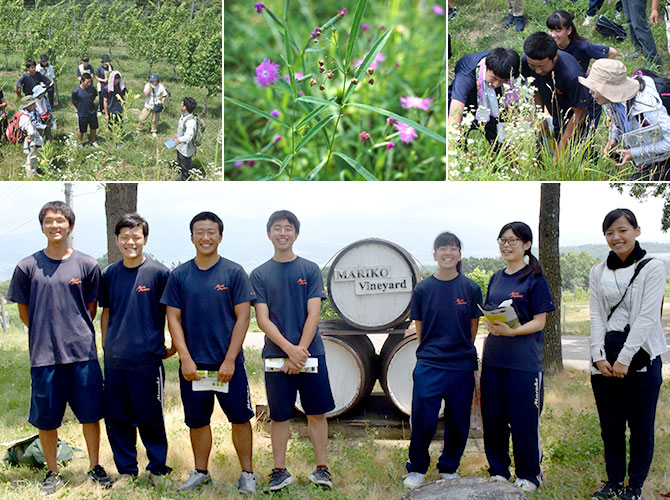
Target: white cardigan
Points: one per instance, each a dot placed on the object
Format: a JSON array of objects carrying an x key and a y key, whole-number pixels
[{"x": 644, "y": 314}]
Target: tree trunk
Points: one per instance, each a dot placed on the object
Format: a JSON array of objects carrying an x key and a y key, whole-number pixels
[
  {"x": 120, "y": 199},
  {"x": 550, "y": 259}
]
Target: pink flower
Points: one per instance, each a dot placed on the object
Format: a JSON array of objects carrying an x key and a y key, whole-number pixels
[
  {"x": 390, "y": 121},
  {"x": 267, "y": 73},
  {"x": 297, "y": 75},
  {"x": 364, "y": 136},
  {"x": 277, "y": 139},
  {"x": 251, "y": 163},
  {"x": 407, "y": 133},
  {"x": 239, "y": 163},
  {"x": 275, "y": 113},
  {"x": 259, "y": 7},
  {"x": 343, "y": 12},
  {"x": 390, "y": 145},
  {"x": 365, "y": 27},
  {"x": 438, "y": 10},
  {"x": 416, "y": 102},
  {"x": 378, "y": 58},
  {"x": 316, "y": 33}
]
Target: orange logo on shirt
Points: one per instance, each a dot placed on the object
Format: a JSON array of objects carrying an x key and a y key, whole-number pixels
[
  {"x": 75, "y": 281},
  {"x": 516, "y": 295},
  {"x": 302, "y": 281},
  {"x": 218, "y": 288},
  {"x": 142, "y": 288},
  {"x": 461, "y": 302}
]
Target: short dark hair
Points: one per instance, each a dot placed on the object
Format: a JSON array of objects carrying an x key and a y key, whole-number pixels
[
  {"x": 448, "y": 239},
  {"x": 190, "y": 104},
  {"x": 85, "y": 58},
  {"x": 539, "y": 46},
  {"x": 30, "y": 62},
  {"x": 615, "y": 214},
  {"x": 86, "y": 75},
  {"x": 57, "y": 206},
  {"x": 207, "y": 216},
  {"x": 503, "y": 62},
  {"x": 284, "y": 214},
  {"x": 132, "y": 220},
  {"x": 44, "y": 57}
]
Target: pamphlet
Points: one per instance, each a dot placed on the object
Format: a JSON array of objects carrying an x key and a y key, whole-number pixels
[
  {"x": 208, "y": 382},
  {"x": 169, "y": 144},
  {"x": 276, "y": 364},
  {"x": 503, "y": 314}
]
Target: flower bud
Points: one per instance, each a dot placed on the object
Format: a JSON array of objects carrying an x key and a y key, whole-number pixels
[
  {"x": 330, "y": 74},
  {"x": 371, "y": 81},
  {"x": 321, "y": 63},
  {"x": 322, "y": 87},
  {"x": 371, "y": 71},
  {"x": 312, "y": 82},
  {"x": 354, "y": 81},
  {"x": 321, "y": 69}
]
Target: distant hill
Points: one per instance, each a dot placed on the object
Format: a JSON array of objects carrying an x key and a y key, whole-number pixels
[{"x": 601, "y": 251}]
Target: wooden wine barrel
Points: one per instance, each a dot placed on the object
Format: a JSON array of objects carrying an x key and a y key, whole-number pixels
[
  {"x": 352, "y": 370},
  {"x": 370, "y": 284}
]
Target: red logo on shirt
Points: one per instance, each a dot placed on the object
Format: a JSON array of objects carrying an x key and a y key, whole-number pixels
[
  {"x": 142, "y": 288},
  {"x": 302, "y": 281},
  {"x": 461, "y": 302},
  {"x": 515, "y": 295},
  {"x": 218, "y": 288},
  {"x": 75, "y": 281}
]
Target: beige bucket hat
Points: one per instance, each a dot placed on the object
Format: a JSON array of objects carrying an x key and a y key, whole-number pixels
[{"x": 608, "y": 78}]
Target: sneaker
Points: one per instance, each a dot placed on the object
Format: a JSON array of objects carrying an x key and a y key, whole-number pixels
[
  {"x": 154, "y": 135},
  {"x": 94, "y": 144},
  {"x": 499, "y": 478},
  {"x": 279, "y": 478},
  {"x": 608, "y": 491},
  {"x": 321, "y": 477},
  {"x": 413, "y": 480},
  {"x": 631, "y": 493},
  {"x": 449, "y": 475},
  {"x": 508, "y": 22},
  {"x": 125, "y": 480},
  {"x": 246, "y": 484},
  {"x": 52, "y": 483},
  {"x": 453, "y": 12},
  {"x": 195, "y": 480},
  {"x": 98, "y": 475},
  {"x": 588, "y": 20},
  {"x": 525, "y": 484},
  {"x": 519, "y": 23},
  {"x": 161, "y": 476}
]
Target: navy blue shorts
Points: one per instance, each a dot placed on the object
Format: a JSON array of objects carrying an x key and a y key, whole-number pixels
[
  {"x": 316, "y": 397},
  {"x": 199, "y": 405},
  {"x": 86, "y": 121},
  {"x": 51, "y": 387}
]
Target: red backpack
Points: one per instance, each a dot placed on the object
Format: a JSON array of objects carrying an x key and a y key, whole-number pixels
[{"x": 14, "y": 133}]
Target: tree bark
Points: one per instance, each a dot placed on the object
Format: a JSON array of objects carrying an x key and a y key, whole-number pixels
[
  {"x": 120, "y": 199},
  {"x": 550, "y": 259}
]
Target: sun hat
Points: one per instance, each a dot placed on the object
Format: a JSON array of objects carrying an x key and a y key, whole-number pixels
[
  {"x": 44, "y": 57},
  {"x": 153, "y": 77},
  {"x": 38, "y": 90},
  {"x": 608, "y": 78},
  {"x": 105, "y": 58},
  {"x": 27, "y": 101}
]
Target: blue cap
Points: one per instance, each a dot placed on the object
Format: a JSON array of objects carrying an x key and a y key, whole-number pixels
[{"x": 153, "y": 77}]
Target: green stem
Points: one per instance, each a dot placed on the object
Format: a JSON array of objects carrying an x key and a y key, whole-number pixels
[{"x": 337, "y": 122}]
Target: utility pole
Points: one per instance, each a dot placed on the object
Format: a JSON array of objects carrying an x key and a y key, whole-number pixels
[{"x": 69, "y": 201}]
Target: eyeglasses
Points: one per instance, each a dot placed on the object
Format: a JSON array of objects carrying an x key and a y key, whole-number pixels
[{"x": 510, "y": 241}]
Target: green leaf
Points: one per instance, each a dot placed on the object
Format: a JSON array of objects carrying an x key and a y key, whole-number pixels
[
  {"x": 309, "y": 116},
  {"x": 418, "y": 127},
  {"x": 286, "y": 5},
  {"x": 353, "y": 34},
  {"x": 362, "y": 171},
  {"x": 257, "y": 111},
  {"x": 316, "y": 100},
  {"x": 312, "y": 175},
  {"x": 313, "y": 131},
  {"x": 254, "y": 157},
  {"x": 374, "y": 50},
  {"x": 282, "y": 168}
]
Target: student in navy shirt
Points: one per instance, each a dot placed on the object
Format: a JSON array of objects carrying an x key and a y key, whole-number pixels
[
  {"x": 446, "y": 313},
  {"x": 208, "y": 303},
  {"x": 133, "y": 326},
  {"x": 478, "y": 85},
  {"x": 56, "y": 290},
  {"x": 289, "y": 290},
  {"x": 83, "y": 99},
  {"x": 562, "y": 29},
  {"x": 512, "y": 386},
  {"x": 558, "y": 89},
  {"x": 30, "y": 79}
]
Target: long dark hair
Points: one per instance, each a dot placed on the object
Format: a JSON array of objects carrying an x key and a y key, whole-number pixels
[
  {"x": 562, "y": 19},
  {"x": 522, "y": 231},
  {"x": 617, "y": 213}
]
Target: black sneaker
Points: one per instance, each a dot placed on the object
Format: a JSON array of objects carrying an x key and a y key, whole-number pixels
[
  {"x": 321, "y": 477},
  {"x": 608, "y": 491},
  {"x": 631, "y": 493},
  {"x": 279, "y": 478},
  {"x": 52, "y": 483},
  {"x": 98, "y": 475}
]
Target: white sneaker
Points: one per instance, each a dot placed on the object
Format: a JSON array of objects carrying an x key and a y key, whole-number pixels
[
  {"x": 195, "y": 480},
  {"x": 499, "y": 478},
  {"x": 588, "y": 20},
  {"x": 449, "y": 475},
  {"x": 94, "y": 144},
  {"x": 246, "y": 484},
  {"x": 525, "y": 484},
  {"x": 413, "y": 480}
]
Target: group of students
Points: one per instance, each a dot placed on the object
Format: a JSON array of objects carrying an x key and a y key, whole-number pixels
[
  {"x": 36, "y": 122},
  {"x": 627, "y": 341},
  {"x": 207, "y": 302},
  {"x": 558, "y": 62}
]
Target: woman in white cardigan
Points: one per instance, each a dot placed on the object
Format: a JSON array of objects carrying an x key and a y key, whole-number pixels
[{"x": 626, "y": 383}]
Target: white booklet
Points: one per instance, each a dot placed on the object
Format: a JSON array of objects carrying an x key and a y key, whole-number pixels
[
  {"x": 503, "y": 313},
  {"x": 276, "y": 364},
  {"x": 208, "y": 382}
]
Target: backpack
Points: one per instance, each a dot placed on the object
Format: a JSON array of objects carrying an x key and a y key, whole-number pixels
[
  {"x": 607, "y": 27},
  {"x": 29, "y": 451},
  {"x": 199, "y": 130},
  {"x": 14, "y": 133},
  {"x": 662, "y": 85}
]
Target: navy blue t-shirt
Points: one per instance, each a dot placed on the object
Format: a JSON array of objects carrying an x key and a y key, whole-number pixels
[
  {"x": 446, "y": 309},
  {"x": 463, "y": 88},
  {"x": 57, "y": 292},
  {"x": 114, "y": 104},
  {"x": 585, "y": 51},
  {"x": 207, "y": 300},
  {"x": 286, "y": 287},
  {"x": 530, "y": 296},
  {"x": 135, "y": 336},
  {"x": 27, "y": 82},
  {"x": 85, "y": 100},
  {"x": 560, "y": 89}
]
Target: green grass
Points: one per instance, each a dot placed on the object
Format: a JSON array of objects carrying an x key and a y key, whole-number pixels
[
  {"x": 414, "y": 65},
  {"x": 141, "y": 158},
  {"x": 476, "y": 28}
]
